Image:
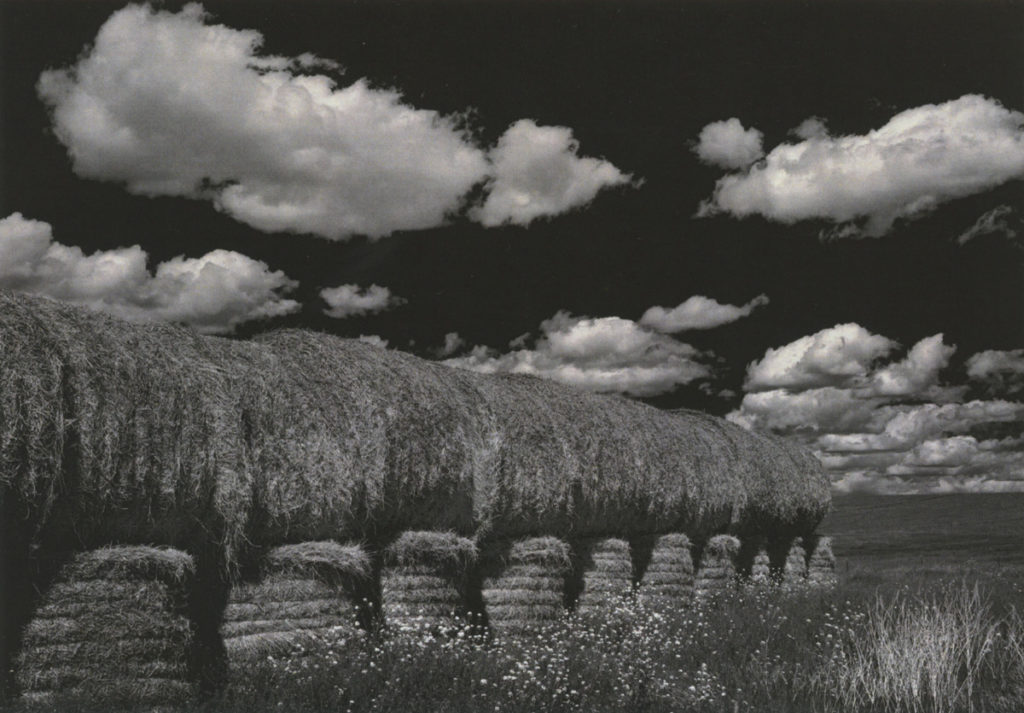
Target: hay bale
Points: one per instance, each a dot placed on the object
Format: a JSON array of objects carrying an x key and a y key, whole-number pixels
[
  {"x": 304, "y": 591},
  {"x": 821, "y": 566},
  {"x": 717, "y": 570},
  {"x": 607, "y": 574},
  {"x": 795, "y": 569},
  {"x": 424, "y": 579},
  {"x": 668, "y": 580},
  {"x": 113, "y": 628},
  {"x": 761, "y": 569},
  {"x": 524, "y": 584}
]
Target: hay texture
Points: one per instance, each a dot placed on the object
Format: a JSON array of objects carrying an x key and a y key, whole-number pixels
[
  {"x": 304, "y": 591},
  {"x": 112, "y": 628},
  {"x": 795, "y": 569},
  {"x": 424, "y": 579},
  {"x": 717, "y": 570},
  {"x": 157, "y": 434},
  {"x": 607, "y": 574},
  {"x": 761, "y": 569},
  {"x": 821, "y": 565},
  {"x": 668, "y": 580},
  {"x": 524, "y": 584}
]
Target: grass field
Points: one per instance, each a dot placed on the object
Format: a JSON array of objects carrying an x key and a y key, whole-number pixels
[{"x": 926, "y": 619}]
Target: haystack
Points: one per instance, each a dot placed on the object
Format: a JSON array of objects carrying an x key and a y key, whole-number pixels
[
  {"x": 668, "y": 580},
  {"x": 524, "y": 583},
  {"x": 716, "y": 572},
  {"x": 761, "y": 569},
  {"x": 113, "y": 628},
  {"x": 607, "y": 570},
  {"x": 303, "y": 591},
  {"x": 821, "y": 566},
  {"x": 424, "y": 579},
  {"x": 795, "y": 569}
]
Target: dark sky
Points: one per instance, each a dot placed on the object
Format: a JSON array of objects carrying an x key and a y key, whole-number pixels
[{"x": 636, "y": 82}]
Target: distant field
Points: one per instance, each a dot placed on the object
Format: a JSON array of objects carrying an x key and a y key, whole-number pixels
[{"x": 884, "y": 538}]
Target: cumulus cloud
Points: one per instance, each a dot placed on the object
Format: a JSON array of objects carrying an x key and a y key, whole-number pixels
[
  {"x": 811, "y": 128},
  {"x": 352, "y": 300},
  {"x": 698, "y": 312},
  {"x": 606, "y": 354},
  {"x": 835, "y": 356},
  {"x": 727, "y": 144},
  {"x": 888, "y": 427},
  {"x": 537, "y": 173},
  {"x": 452, "y": 343},
  {"x": 374, "y": 340},
  {"x": 921, "y": 158},
  {"x": 171, "y": 104},
  {"x": 213, "y": 293},
  {"x": 1001, "y": 372}
]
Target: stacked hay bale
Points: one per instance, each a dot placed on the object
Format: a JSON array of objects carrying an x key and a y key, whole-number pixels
[
  {"x": 761, "y": 568},
  {"x": 524, "y": 584},
  {"x": 607, "y": 574},
  {"x": 668, "y": 579},
  {"x": 795, "y": 569},
  {"x": 305, "y": 590},
  {"x": 821, "y": 567},
  {"x": 424, "y": 579},
  {"x": 717, "y": 570},
  {"x": 113, "y": 628}
]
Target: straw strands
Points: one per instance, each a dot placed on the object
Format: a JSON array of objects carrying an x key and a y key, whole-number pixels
[
  {"x": 668, "y": 580},
  {"x": 607, "y": 573},
  {"x": 524, "y": 583},
  {"x": 138, "y": 432},
  {"x": 821, "y": 566},
  {"x": 304, "y": 590},
  {"x": 424, "y": 579},
  {"x": 113, "y": 627},
  {"x": 795, "y": 569},
  {"x": 717, "y": 570}
]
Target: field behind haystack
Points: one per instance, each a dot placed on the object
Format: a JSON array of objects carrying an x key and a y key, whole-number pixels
[{"x": 926, "y": 619}]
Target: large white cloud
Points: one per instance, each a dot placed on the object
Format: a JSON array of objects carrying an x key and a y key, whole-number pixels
[
  {"x": 352, "y": 300},
  {"x": 698, "y": 312},
  {"x": 606, "y": 354},
  {"x": 922, "y": 157},
  {"x": 887, "y": 427},
  {"x": 213, "y": 293},
  {"x": 538, "y": 173},
  {"x": 836, "y": 356},
  {"x": 169, "y": 104},
  {"x": 727, "y": 144}
]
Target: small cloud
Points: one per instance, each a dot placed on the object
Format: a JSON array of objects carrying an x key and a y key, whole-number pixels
[
  {"x": 811, "y": 128},
  {"x": 537, "y": 173},
  {"x": 921, "y": 158},
  {"x": 213, "y": 293},
  {"x": 727, "y": 144},
  {"x": 351, "y": 300},
  {"x": 374, "y": 340},
  {"x": 1001, "y": 372},
  {"x": 452, "y": 343},
  {"x": 606, "y": 354},
  {"x": 698, "y": 312},
  {"x": 915, "y": 374},
  {"x": 995, "y": 222}
]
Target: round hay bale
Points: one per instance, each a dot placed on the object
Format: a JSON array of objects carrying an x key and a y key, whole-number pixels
[
  {"x": 607, "y": 574},
  {"x": 423, "y": 580},
  {"x": 761, "y": 569},
  {"x": 821, "y": 566},
  {"x": 717, "y": 570},
  {"x": 304, "y": 591},
  {"x": 668, "y": 579},
  {"x": 524, "y": 584},
  {"x": 113, "y": 628},
  {"x": 795, "y": 569}
]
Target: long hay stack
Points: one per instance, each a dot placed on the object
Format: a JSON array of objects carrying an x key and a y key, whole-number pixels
[
  {"x": 668, "y": 580},
  {"x": 795, "y": 569},
  {"x": 113, "y": 628},
  {"x": 524, "y": 584},
  {"x": 607, "y": 574},
  {"x": 717, "y": 570},
  {"x": 304, "y": 590},
  {"x": 424, "y": 579},
  {"x": 821, "y": 566}
]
